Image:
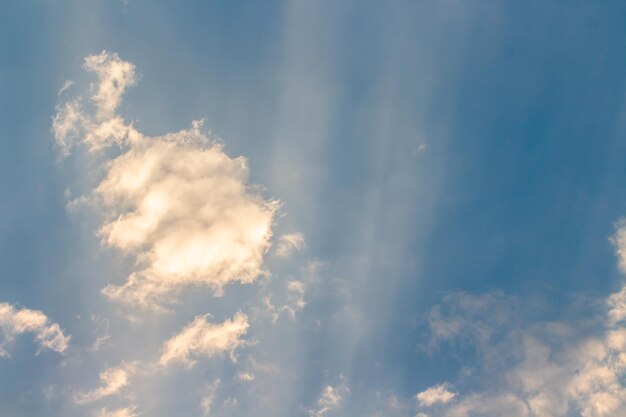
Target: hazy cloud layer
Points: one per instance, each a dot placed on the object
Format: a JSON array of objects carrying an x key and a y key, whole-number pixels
[
  {"x": 533, "y": 369},
  {"x": 15, "y": 321}
]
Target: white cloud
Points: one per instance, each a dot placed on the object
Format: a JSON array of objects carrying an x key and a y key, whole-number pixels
[
  {"x": 288, "y": 244},
  {"x": 176, "y": 203},
  {"x": 330, "y": 398},
  {"x": 203, "y": 339},
  {"x": 114, "y": 76},
  {"x": 438, "y": 394},
  {"x": 14, "y": 322},
  {"x": 119, "y": 412},
  {"x": 496, "y": 405},
  {"x": 538, "y": 369},
  {"x": 66, "y": 85},
  {"x": 245, "y": 376},
  {"x": 112, "y": 381}
]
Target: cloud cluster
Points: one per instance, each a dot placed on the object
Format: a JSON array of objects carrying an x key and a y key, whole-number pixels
[
  {"x": 539, "y": 369},
  {"x": 203, "y": 339},
  {"x": 14, "y": 321},
  {"x": 176, "y": 203}
]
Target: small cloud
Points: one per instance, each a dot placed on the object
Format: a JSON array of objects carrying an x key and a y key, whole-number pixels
[
  {"x": 288, "y": 244},
  {"x": 245, "y": 376},
  {"x": 66, "y": 85},
  {"x": 112, "y": 381},
  {"x": 330, "y": 399},
  {"x": 209, "y": 398},
  {"x": 15, "y": 321},
  {"x": 439, "y": 394},
  {"x": 119, "y": 412},
  {"x": 203, "y": 339}
]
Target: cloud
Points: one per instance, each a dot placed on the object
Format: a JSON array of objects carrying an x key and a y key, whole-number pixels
[
  {"x": 209, "y": 398},
  {"x": 120, "y": 412},
  {"x": 245, "y": 376},
  {"x": 114, "y": 76},
  {"x": 203, "y": 339},
  {"x": 175, "y": 203},
  {"x": 535, "y": 368},
  {"x": 540, "y": 369},
  {"x": 112, "y": 381},
  {"x": 288, "y": 243},
  {"x": 439, "y": 394},
  {"x": 14, "y": 322},
  {"x": 495, "y": 405},
  {"x": 330, "y": 398}
]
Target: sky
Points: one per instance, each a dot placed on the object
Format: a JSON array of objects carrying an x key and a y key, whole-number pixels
[{"x": 316, "y": 209}]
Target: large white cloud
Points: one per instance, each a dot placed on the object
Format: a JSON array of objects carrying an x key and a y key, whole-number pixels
[
  {"x": 15, "y": 321},
  {"x": 176, "y": 203}
]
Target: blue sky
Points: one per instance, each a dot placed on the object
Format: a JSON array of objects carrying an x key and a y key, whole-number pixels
[{"x": 407, "y": 209}]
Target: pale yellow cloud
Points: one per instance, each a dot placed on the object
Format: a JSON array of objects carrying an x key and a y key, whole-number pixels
[
  {"x": 112, "y": 381},
  {"x": 14, "y": 321},
  {"x": 288, "y": 244},
  {"x": 177, "y": 204},
  {"x": 114, "y": 76},
  {"x": 438, "y": 394},
  {"x": 200, "y": 338},
  {"x": 330, "y": 398},
  {"x": 119, "y": 412}
]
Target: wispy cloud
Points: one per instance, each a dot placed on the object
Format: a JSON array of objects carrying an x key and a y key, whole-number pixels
[
  {"x": 119, "y": 412},
  {"x": 203, "y": 339},
  {"x": 330, "y": 398},
  {"x": 112, "y": 381},
  {"x": 533, "y": 368},
  {"x": 288, "y": 244},
  {"x": 15, "y": 321},
  {"x": 438, "y": 394}
]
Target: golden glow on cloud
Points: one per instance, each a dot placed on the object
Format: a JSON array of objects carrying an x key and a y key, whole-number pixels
[
  {"x": 176, "y": 203},
  {"x": 17, "y": 321},
  {"x": 203, "y": 339},
  {"x": 112, "y": 381}
]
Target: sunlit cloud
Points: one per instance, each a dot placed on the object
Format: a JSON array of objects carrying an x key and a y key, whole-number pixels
[
  {"x": 112, "y": 381},
  {"x": 330, "y": 399},
  {"x": 176, "y": 203},
  {"x": 438, "y": 394},
  {"x": 555, "y": 368},
  {"x": 16, "y": 321},
  {"x": 288, "y": 244},
  {"x": 202, "y": 339},
  {"x": 119, "y": 412}
]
